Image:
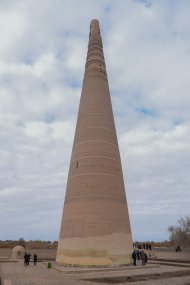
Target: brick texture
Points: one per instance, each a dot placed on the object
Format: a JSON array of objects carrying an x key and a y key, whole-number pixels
[{"x": 95, "y": 228}]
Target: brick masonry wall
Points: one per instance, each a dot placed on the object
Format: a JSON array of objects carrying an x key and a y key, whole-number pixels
[{"x": 95, "y": 228}]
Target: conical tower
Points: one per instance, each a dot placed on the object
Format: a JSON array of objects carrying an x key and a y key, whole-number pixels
[{"x": 95, "y": 228}]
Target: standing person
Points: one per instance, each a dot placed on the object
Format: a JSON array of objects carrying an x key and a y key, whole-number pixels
[
  {"x": 25, "y": 259},
  {"x": 134, "y": 257},
  {"x": 35, "y": 258},
  {"x": 138, "y": 254},
  {"x": 143, "y": 257},
  {"x": 29, "y": 255}
]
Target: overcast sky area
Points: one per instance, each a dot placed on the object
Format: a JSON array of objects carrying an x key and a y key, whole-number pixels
[{"x": 43, "y": 47}]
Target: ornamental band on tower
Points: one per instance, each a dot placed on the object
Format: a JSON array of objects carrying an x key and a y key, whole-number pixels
[{"x": 95, "y": 227}]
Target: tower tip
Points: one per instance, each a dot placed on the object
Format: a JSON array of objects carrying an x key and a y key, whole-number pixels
[
  {"x": 94, "y": 26},
  {"x": 95, "y": 21}
]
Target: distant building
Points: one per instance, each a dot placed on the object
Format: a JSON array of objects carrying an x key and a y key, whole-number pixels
[{"x": 18, "y": 252}]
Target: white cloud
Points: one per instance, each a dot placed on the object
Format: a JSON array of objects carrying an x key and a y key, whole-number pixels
[
  {"x": 13, "y": 24},
  {"x": 156, "y": 163}
]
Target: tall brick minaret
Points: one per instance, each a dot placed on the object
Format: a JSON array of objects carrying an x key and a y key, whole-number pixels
[{"x": 95, "y": 228}]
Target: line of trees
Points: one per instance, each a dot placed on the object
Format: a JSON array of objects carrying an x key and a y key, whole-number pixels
[{"x": 30, "y": 244}]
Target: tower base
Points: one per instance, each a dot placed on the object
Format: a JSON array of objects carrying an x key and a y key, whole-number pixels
[{"x": 106, "y": 250}]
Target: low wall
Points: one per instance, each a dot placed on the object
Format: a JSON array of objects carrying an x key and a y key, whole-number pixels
[
  {"x": 44, "y": 254},
  {"x": 5, "y": 252},
  {"x": 170, "y": 249},
  {"x": 180, "y": 256},
  {"x": 50, "y": 254}
]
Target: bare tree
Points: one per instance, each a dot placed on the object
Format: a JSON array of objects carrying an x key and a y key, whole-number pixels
[{"x": 180, "y": 234}]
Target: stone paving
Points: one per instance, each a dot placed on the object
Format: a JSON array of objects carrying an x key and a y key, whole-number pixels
[{"x": 59, "y": 275}]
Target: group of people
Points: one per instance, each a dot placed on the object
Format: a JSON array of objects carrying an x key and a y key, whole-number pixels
[
  {"x": 140, "y": 256},
  {"x": 27, "y": 257},
  {"x": 145, "y": 246}
]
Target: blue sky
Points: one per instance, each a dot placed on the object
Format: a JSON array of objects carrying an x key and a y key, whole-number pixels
[{"x": 42, "y": 57}]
